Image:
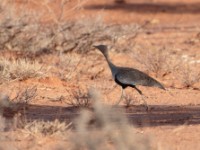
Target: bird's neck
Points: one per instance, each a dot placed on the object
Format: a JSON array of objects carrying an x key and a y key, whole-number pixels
[{"x": 113, "y": 68}]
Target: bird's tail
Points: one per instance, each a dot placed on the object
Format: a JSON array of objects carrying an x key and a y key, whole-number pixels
[{"x": 159, "y": 85}]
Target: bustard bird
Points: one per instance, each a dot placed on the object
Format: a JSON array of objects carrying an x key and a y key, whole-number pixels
[{"x": 128, "y": 77}]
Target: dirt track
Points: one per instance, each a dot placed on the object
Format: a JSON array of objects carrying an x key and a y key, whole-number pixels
[{"x": 158, "y": 115}]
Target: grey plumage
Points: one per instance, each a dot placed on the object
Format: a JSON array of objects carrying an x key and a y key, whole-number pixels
[{"x": 128, "y": 76}]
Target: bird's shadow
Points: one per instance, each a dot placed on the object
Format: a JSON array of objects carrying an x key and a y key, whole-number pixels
[
  {"x": 158, "y": 115},
  {"x": 150, "y": 7}
]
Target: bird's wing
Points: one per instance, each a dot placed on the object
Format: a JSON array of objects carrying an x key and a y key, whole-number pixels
[{"x": 129, "y": 76}]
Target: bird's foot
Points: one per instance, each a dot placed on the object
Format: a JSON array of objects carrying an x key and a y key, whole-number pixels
[
  {"x": 145, "y": 103},
  {"x": 146, "y": 107}
]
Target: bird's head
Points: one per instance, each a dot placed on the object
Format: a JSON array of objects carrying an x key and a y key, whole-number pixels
[{"x": 102, "y": 48}]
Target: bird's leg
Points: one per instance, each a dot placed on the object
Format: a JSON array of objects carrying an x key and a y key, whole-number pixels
[
  {"x": 111, "y": 89},
  {"x": 122, "y": 95},
  {"x": 143, "y": 97},
  {"x": 138, "y": 90}
]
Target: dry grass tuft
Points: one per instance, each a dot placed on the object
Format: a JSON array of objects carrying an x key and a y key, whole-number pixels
[
  {"x": 2, "y": 123},
  {"x": 21, "y": 69},
  {"x": 46, "y": 128},
  {"x": 4, "y": 100},
  {"x": 110, "y": 128},
  {"x": 8, "y": 110}
]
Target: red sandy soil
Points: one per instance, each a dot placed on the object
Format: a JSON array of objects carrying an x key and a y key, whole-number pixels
[{"x": 173, "y": 122}]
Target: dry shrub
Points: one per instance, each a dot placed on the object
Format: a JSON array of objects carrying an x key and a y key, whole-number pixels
[
  {"x": 68, "y": 66},
  {"x": 11, "y": 108},
  {"x": 73, "y": 66},
  {"x": 79, "y": 99},
  {"x": 81, "y": 34},
  {"x": 109, "y": 127},
  {"x": 26, "y": 95},
  {"x": 157, "y": 60},
  {"x": 189, "y": 74},
  {"x": 92, "y": 30},
  {"x": 162, "y": 62},
  {"x": 21, "y": 69},
  {"x": 19, "y": 31},
  {"x": 26, "y": 33}
]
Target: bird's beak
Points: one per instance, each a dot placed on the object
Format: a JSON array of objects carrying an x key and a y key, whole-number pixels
[{"x": 94, "y": 46}]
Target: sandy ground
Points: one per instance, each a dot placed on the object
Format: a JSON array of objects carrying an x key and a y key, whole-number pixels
[{"x": 174, "y": 116}]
